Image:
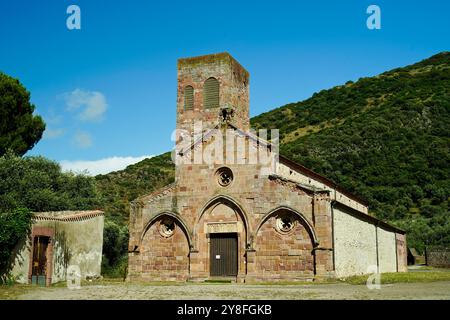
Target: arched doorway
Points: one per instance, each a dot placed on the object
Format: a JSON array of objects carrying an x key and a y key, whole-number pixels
[{"x": 220, "y": 238}]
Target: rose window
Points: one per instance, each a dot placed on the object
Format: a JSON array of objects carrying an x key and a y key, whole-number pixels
[
  {"x": 167, "y": 228},
  {"x": 224, "y": 176},
  {"x": 285, "y": 223}
]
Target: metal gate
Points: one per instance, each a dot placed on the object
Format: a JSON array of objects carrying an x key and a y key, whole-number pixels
[
  {"x": 223, "y": 254},
  {"x": 39, "y": 266}
]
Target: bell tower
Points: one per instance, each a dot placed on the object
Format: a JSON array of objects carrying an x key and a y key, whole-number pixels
[{"x": 212, "y": 89}]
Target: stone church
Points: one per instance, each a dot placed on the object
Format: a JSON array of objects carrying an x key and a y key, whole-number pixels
[{"x": 248, "y": 220}]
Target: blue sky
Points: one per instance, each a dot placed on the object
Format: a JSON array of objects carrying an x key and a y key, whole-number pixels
[{"x": 107, "y": 92}]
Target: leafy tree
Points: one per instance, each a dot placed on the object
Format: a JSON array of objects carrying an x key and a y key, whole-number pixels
[
  {"x": 39, "y": 184},
  {"x": 115, "y": 247},
  {"x": 14, "y": 226},
  {"x": 20, "y": 130}
]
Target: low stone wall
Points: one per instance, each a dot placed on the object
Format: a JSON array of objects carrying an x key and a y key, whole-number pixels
[{"x": 438, "y": 257}]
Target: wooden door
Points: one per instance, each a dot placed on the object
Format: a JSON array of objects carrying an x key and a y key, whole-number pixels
[
  {"x": 39, "y": 264},
  {"x": 223, "y": 254}
]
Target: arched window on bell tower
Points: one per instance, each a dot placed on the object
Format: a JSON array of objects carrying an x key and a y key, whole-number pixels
[
  {"x": 188, "y": 98},
  {"x": 211, "y": 93}
]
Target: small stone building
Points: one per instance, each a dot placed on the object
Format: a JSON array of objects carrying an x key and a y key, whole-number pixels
[
  {"x": 413, "y": 257},
  {"x": 242, "y": 219},
  {"x": 59, "y": 240}
]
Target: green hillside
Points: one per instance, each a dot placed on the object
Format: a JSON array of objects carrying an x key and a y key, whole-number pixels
[
  {"x": 118, "y": 188},
  {"x": 384, "y": 138}
]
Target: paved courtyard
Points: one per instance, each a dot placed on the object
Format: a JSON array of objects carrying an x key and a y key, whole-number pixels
[{"x": 120, "y": 290}]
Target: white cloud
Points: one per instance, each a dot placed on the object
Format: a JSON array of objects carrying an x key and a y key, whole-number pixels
[
  {"x": 102, "y": 166},
  {"x": 53, "y": 133},
  {"x": 82, "y": 140},
  {"x": 91, "y": 104}
]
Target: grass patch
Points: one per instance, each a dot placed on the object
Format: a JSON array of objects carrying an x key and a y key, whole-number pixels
[
  {"x": 12, "y": 292},
  {"x": 403, "y": 277}
]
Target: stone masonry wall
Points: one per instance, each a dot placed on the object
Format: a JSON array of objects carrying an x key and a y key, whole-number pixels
[
  {"x": 437, "y": 256},
  {"x": 165, "y": 258},
  {"x": 402, "y": 253},
  {"x": 354, "y": 244},
  {"x": 246, "y": 201},
  {"x": 387, "y": 251},
  {"x": 233, "y": 91},
  {"x": 360, "y": 244},
  {"x": 284, "y": 256}
]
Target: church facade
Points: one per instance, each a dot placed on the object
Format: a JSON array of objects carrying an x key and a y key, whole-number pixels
[{"x": 238, "y": 210}]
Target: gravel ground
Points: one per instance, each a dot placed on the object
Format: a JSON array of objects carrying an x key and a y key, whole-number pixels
[{"x": 133, "y": 291}]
